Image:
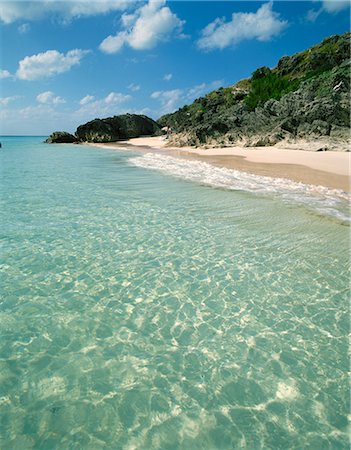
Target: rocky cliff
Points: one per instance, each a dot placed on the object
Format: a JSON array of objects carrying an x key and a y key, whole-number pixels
[
  {"x": 307, "y": 96},
  {"x": 109, "y": 130}
]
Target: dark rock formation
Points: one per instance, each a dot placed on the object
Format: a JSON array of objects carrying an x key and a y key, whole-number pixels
[
  {"x": 111, "y": 129},
  {"x": 61, "y": 137},
  {"x": 307, "y": 96},
  {"x": 116, "y": 128}
]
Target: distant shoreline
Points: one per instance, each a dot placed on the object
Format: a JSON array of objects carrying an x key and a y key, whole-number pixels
[{"x": 328, "y": 169}]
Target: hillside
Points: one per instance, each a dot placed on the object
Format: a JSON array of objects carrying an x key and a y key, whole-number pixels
[{"x": 307, "y": 96}]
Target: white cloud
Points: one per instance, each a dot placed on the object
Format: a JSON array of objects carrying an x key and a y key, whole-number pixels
[
  {"x": 128, "y": 20},
  {"x": 116, "y": 97},
  {"x": 313, "y": 14},
  {"x": 24, "y": 28},
  {"x": 261, "y": 25},
  {"x": 5, "y": 74},
  {"x": 6, "y": 100},
  {"x": 168, "y": 99},
  {"x": 11, "y": 11},
  {"x": 134, "y": 87},
  {"x": 148, "y": 26},
  {"x": 112, "y": 99},
  {"x": 168, "y": 77},
  {"x": 329, "y": 6},
  {"x": 49, "y": 98},
  {"x": 87, "y": 99},
  {"x": 113, "y": 44},
  {"x": 48, "y": 64},
  {"x": 334, "y": 6},
  {"x": 103, "y": 107}
]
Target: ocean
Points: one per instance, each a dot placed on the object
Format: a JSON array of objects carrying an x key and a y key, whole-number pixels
[{"x": 149, "y": 302}]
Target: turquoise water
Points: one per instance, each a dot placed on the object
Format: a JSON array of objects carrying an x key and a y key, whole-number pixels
[{"x": 141, "y": 310}]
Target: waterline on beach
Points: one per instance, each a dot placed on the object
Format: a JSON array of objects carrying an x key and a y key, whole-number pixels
[{"x": 326, "y": 201}]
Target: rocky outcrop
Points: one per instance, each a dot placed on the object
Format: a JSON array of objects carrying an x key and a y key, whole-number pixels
[
  {"x": 331, "y": 52},
  {"x": 315, "y": 110},
  {"x": 116, "y": 128},
  {"x": 307, "y": 96},
  {"x": 110, "y": 129},
  {"x": 61, "y": 137}
]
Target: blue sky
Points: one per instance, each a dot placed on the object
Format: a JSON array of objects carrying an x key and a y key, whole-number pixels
[{"x": 64, "y": 63}]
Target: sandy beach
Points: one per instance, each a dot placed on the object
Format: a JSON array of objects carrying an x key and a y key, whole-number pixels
[{"x": 330, "y": 169}]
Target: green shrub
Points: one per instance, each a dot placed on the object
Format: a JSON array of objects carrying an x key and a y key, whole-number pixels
[
  {"x": 261, "y": 72},
  {"x": 267, "y": 87}
]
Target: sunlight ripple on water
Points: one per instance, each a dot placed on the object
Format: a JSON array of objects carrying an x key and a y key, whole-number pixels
[{"x": 143, "y": 311}]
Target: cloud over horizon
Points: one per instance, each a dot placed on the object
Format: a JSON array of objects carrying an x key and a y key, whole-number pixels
[
  {"x": 145, "y": 28},
  {"x": 44, "y": 116},
  {"x": 262, "y": 25}
]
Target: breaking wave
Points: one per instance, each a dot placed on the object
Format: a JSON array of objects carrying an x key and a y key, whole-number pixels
[{"x": 326, "y": 201}]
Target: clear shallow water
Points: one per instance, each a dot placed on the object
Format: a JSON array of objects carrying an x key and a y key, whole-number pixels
[{"x": 144, "y": 311}]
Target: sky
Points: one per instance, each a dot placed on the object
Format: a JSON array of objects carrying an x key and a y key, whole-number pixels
[{"x": 63, "y": 63}]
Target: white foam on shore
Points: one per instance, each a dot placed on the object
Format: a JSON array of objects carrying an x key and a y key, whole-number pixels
[{"x": 332, "y": 202}]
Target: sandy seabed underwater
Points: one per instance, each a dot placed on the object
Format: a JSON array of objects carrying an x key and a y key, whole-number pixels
[{"x": 154, "y": 303}]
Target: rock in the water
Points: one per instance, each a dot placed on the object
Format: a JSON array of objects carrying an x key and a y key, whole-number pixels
[
  {"x": 116, "y": 128},
  {"x": 61, "y": 137}
]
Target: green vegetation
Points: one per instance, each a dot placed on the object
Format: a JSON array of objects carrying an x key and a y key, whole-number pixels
[
  {"x": 286, "y": 101},
  {"x": 267, "y": 87},
  {"x": 190, "y": 115}
]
